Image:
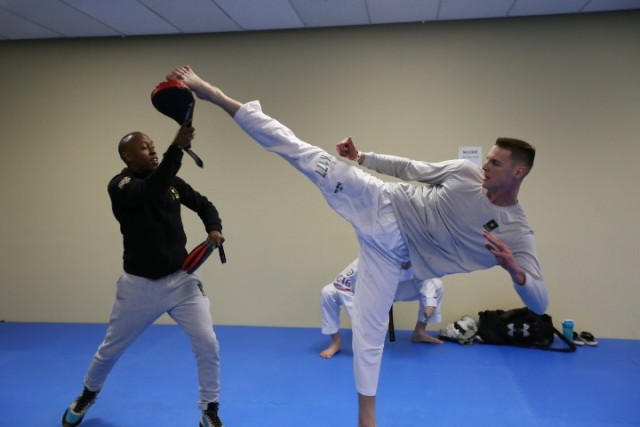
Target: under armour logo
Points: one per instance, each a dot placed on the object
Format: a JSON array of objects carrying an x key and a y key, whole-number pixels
[
  {"x": 518, "y": 330},
  {"x": 338, "y": 187}
]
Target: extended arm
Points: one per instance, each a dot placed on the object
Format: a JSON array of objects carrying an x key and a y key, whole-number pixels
[{"x": 398, "y": 167}]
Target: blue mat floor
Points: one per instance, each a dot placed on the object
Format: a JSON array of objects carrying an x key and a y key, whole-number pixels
[{"x": 274, "y": 377}]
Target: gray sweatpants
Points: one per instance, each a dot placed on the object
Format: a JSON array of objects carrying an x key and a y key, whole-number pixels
[{"x": 139, "y": 302}]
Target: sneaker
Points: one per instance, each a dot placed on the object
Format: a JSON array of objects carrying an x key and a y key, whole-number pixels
[
  {"x": 210, "y": 416},
  {"x": 577, "y": 339},
  {"x": 588, "y": 338},
  {"x": 75, "y": 412}
]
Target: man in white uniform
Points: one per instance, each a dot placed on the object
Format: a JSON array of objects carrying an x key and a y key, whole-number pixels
[
  {"x": 459, "y": 218},
  {"x": 341, "y": 291}
]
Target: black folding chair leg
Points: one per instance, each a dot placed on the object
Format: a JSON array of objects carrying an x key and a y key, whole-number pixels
[{"x": 392, "y": 331}]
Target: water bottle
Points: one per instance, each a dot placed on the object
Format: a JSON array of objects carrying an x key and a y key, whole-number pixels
[{"x": 567, "y": 329}]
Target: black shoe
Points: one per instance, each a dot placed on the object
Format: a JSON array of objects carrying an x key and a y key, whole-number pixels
[
  {"x": 75, "y": 412},
  {"x": 210, "y": 416}
]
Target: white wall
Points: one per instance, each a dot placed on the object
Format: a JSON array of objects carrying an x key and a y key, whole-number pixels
[{"x": 570, "y": 85}]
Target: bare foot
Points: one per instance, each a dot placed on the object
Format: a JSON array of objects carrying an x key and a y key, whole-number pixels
[
  {"x": 423, "y": 336},
  {"x": 186, "y": 75},
  {"x": 333, "y": 348},
  {"x": 205, "y": 90}
]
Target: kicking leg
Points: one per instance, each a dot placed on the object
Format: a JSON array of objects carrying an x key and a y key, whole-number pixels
[{"x": 351, "y": 192}]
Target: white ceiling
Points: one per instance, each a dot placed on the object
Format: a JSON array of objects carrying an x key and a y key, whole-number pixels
[{"x": 54, "y": 19}]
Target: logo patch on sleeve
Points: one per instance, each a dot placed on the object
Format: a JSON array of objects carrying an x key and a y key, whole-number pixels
[
  {"x": 174, "y": 193},
  {"x": 124, "y": 181}
]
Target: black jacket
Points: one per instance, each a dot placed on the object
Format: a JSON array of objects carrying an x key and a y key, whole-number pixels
[{"x": 148, "y": 210}]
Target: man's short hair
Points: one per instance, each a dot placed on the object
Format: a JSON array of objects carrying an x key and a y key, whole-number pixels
[{"x": 521, "y": 151}]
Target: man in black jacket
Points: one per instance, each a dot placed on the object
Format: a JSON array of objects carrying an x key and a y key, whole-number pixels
[{"x": 146, "y": 198}]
